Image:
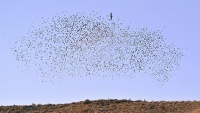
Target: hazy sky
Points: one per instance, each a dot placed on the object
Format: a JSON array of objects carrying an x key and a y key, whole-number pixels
[{"x": 178, "y": 19}]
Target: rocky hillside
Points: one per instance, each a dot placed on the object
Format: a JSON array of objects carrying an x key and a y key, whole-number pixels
[{"x": 108, "y": 106}]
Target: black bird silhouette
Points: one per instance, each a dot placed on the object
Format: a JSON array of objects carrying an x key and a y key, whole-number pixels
[{"x": 111, "y": 16}]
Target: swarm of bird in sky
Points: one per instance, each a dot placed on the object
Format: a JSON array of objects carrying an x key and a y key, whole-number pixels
[{"x": 94, "y": 45}]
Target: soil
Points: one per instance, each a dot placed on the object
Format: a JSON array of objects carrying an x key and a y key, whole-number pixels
[{"x": 108, "y": 106}]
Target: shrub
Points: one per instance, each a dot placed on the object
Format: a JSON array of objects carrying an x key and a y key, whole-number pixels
[
  {"x": 138, "y": 100},
  {"x": 39, "y": 104},
  {"x": 124, "y": 100},
  {"x": 152, "y": 107},
  {"x": 87, "y": 101},
  {"x": 33, "y": 104},
  {"x": 163, "y": 107}
]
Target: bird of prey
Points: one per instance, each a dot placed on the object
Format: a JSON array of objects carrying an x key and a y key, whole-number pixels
[{"x": 111, "y": 16}]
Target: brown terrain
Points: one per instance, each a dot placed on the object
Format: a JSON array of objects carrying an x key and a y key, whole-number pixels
[{"x": 108, "y": 106}]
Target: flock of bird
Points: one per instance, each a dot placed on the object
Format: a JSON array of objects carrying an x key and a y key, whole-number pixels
[{"x": 94, "y": 45}]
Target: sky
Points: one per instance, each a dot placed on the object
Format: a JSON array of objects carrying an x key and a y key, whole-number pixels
[{"x": 178, "y": 19}]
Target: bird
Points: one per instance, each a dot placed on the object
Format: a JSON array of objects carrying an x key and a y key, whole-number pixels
[
  {"x": 70, "y": 44},
  {"x": 111, "y": 16}
]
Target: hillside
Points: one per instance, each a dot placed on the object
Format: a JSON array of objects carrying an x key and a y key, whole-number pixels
[{"x": 108, "y": 106}]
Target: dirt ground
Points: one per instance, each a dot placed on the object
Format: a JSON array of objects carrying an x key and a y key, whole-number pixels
[{"x": 108, "y": 106}]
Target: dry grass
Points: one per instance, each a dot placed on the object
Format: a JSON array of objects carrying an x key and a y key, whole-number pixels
[{"x": 109, "y": 106}]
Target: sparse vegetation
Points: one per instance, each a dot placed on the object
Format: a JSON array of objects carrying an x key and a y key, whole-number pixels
[{"x": 110, "y": 105}]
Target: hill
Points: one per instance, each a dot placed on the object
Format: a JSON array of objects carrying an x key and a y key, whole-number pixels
[{"x": 108, "y": 106}]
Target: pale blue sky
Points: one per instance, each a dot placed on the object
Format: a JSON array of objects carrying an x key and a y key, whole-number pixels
[{"x": 178, "y": 19}]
